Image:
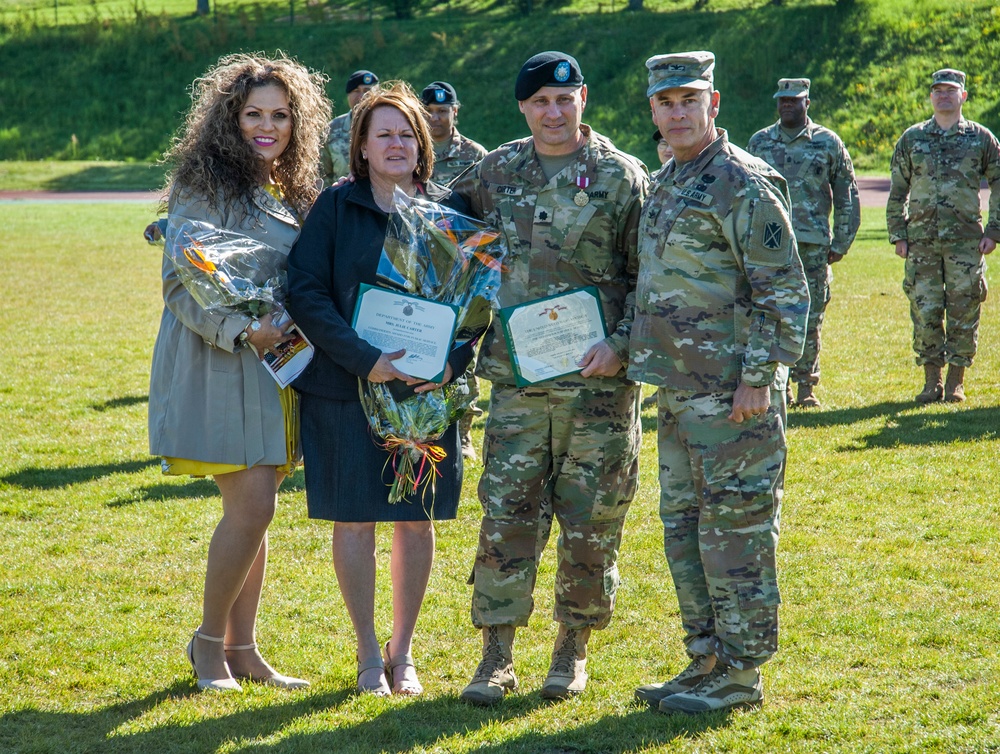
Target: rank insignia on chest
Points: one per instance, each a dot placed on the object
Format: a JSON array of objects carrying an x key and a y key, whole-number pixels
[
  {"x": 581, "y": 198},
  {"x": 772, "y": 235}
]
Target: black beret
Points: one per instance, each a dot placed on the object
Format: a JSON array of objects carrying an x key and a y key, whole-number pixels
[
  {"x": 360, "y": 77},
  {"x": 657, "y": 136},
  {"x": 439, "y": 93},
  {"x": 547, "y": 69}
]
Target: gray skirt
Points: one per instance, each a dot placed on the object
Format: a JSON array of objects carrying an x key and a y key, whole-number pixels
[{"x": 348, "y": 475}]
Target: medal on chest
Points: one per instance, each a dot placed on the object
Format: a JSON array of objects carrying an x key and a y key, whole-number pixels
[{"x": 581, "y": 198}]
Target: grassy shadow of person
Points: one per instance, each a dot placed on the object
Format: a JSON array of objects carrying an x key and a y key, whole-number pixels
[
  {"x": 904, "y": 423},
  {"x": 428, "y": 725},
  {"x": 106, "y": 729}
]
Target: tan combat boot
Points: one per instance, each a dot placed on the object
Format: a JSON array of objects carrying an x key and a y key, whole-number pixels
[
  {"x": 932, "y": 385},
  {"x": 954, "y": 390},
  {"x": 806, "y": 398},
  {"x": 465, "y": 434},
  {"x": 695, "y": 672},
  {"x": 495, "y": 675},
  {"x": 568, "y": 671}
]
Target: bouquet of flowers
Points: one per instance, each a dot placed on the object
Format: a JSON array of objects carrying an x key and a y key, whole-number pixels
[
  {"x": 224, "y": 271},
  {"x": 441, "y": 255}
]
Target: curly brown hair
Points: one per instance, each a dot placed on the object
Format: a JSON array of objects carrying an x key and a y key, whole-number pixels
[
  {"x": 400, "y": 95},
  {"x": 210, "y": 156}
]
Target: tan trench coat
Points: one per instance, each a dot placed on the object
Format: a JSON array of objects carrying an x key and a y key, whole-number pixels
[{"x": 210, "y": 400}]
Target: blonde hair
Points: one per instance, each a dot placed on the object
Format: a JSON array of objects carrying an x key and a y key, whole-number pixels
[
  {"x": 211, "y": 156},
  {"x": 400, "y": 95}
]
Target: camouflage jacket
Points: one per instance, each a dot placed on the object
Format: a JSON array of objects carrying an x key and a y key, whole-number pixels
[
  {"x": 335, "y": 157},
  {"x": 935, "y": 183},
  {"x": 820, "y": 177},
  {"x": 555, "y": 245},
  {"x": 462, "y": 154},
  {"x": 721, "y": 296}
]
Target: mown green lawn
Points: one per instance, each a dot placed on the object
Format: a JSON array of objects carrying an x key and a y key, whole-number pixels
[{"x": 888, "y": 554}]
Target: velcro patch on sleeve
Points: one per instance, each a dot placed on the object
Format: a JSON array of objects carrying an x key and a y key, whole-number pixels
[{"x": 770, "y": 240}]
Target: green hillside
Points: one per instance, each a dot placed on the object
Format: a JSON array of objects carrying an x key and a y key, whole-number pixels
[{"x": 114, "y": 88}]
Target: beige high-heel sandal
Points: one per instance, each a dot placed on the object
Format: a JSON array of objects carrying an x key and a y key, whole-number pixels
[
  {"x": 372, "y": 663},
  {"x": 406, "y": 688},
  {"x": 210, "y": 684},
  {"x": 275, "y": 679}
]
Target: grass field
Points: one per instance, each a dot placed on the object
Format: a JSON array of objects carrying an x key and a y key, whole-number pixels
[{"x": 888, "y": 554}]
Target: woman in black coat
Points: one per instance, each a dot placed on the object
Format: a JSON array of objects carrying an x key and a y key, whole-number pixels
[{"x": 347, "y": 476}]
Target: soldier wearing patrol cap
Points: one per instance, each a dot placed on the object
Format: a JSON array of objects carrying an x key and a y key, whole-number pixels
[
  {"x": 568, "y": 202},
  {"x": 453, "y": 152},
  {"x": 820, "y": 177},
  {"x": 934, "y": 219},
  {"x": 335, "y": 158},
  {"x": 721, "y": 308}
]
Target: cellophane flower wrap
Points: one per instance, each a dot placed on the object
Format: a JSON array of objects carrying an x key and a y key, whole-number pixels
[
  {"x": 224, "y": 271},
  {"x": 439, "y": 254}
]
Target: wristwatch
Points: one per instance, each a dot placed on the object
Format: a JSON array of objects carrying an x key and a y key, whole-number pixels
[{"x": 253, "y": 327}]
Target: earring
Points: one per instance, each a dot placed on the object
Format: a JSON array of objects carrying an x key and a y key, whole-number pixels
[{"x": 364, "y": 155}]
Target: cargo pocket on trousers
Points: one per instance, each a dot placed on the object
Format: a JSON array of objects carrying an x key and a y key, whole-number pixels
[{"x": 740, "y": 473}]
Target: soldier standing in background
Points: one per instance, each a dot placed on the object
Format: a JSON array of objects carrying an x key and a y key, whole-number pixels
[
  {"x": 568, "y": 202},
  {"x": 820, "y": 176},
  {"x": 335, "y": 157},
  {"x": 935, "y": 222},
  {"x": 721, "y": 308},
  {"x": 453, "y": 155}
]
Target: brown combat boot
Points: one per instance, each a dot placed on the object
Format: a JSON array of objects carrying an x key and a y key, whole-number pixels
[
  {"x": 932, "y": 385},
  {"x": 954, "y": 390},
  {"x": 495, "y": 675},
  {"x": 568, "y": 672},
  {"x": 806, "y": 398}
]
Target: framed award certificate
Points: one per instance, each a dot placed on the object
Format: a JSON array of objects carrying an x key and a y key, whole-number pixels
[
  {"x": 548, "y": 337},
  {"x": 391, "y": 320}
]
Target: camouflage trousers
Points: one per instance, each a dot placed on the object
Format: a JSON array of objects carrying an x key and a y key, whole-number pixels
[
  {"x": 573, "y": 453},
  {"x": 819, "y": 275},
  {"x": 945, "y": 280},
  {"x": 720, "y": 502}
]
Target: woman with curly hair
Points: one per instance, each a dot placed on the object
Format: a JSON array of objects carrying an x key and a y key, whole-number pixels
[{"x": 245, "y": 160}]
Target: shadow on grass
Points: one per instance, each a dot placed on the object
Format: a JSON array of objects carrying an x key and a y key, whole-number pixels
[
  {"x": 122, "y": 402},
  {"x": 194, "y": 488},
  {"x": 51, "y": 479},
  {"x": 906, "y": 423},
  {"x": 125, "y": 177},
  {"x": 397, "y": 726},
  {"x": 101, "y": 730}
]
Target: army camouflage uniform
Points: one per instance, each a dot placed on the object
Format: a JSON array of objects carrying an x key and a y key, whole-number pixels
[
  {"x": 569, "y": 445},
  {"x": 934, "y": 206},
  {"x": 721, "y": 299},
  {"x": 820, "y": 177},
  {"x": 462, "y": 153},
  {"x": 335, "y": 157}
]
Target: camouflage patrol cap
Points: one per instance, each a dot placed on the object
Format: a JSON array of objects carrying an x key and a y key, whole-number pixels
[
  {"x": 359, "y": 78},
  {"x": 439, "y": 93},
  {"x": 948, "y": 77},
  {"x": 792, "y": 88},
  {"x": 547, "y": 69},
  {"x": 692, "y": 70}
]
